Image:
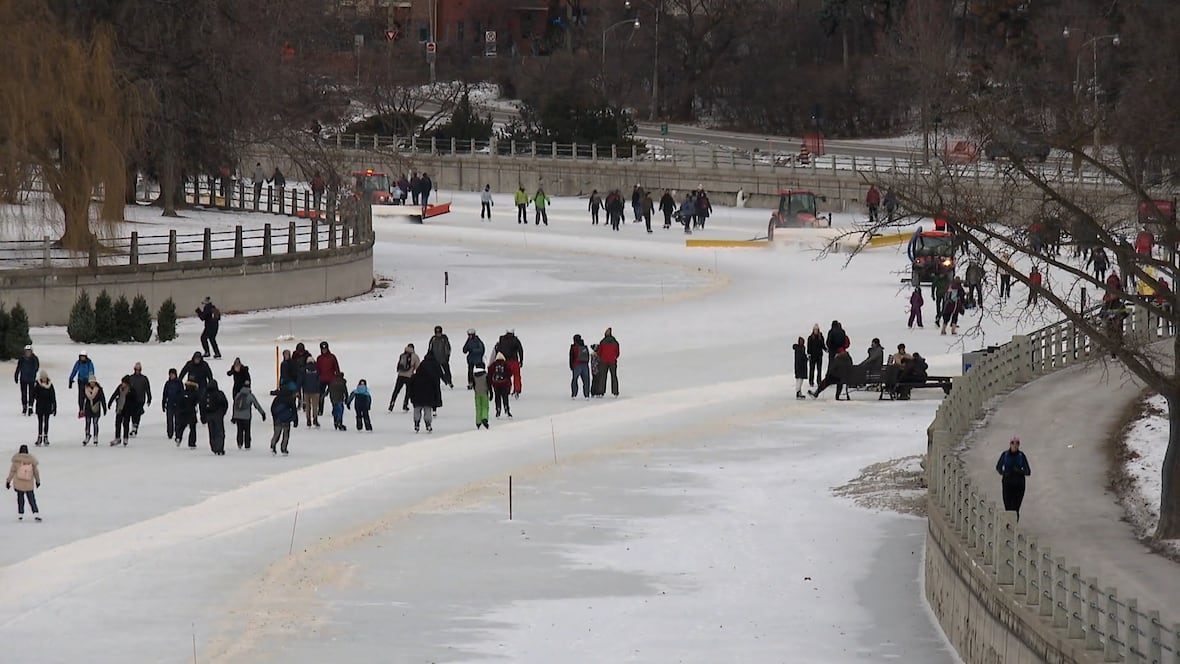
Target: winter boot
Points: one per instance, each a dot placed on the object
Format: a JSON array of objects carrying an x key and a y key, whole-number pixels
[
  {"x": 428, "y": 428},
  {"x": 954, "y": 329},
  {"x": 943, "y": 329},
  {"x": 415, "y": 427}
]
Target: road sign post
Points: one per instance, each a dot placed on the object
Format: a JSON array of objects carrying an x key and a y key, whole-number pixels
[{"x": 489, "y": 43}]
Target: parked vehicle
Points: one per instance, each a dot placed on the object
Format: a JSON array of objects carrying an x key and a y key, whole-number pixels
[{"x": 1016, "y": 148}]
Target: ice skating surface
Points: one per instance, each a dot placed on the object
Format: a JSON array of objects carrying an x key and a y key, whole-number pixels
[{"x": 692, "y": 519}]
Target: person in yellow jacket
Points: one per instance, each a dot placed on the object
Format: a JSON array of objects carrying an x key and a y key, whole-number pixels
[
  {"x": 522, "y": 203},
  {"x": 540, "y": 202}
]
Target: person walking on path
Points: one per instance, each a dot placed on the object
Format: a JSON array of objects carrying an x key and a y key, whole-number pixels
[
  {"x": 614, "y": 210},
  {"x": 579, "y": 367},
  {"x": 288, "y": 370},
  {"x": 501, "y": 378},
  {"x": 513, "y": 351},
  {"x": 474, "y": 350},
  {"x": 142, "y": 387},
  {"x": 259, "y": 178},
  {"x": 873, "y": 203},
  {"x": 338, "y": 396},
  {"x": 361, "y": 403},
  {"x": 210, "y": 315},
  {"x": 839, "y": 370},
  {"x": 309, "y": 386},
  {"x": 244, "y": 403},
  {"x": 198, "y": 371},
  {"x": 213, "y": 409},
  {"x": 608, "y": 353},
  {"x": 279, "y": 181},
  {"x": 24, "y": 476},
  {"x": 485, "y": 202},
  {"x": 595, "y": 206},
  {"x": 415, "y": 187},
  {"x": 637, "y": 204},
  {"x": 540, "y": 205},
  {"x": 890, "y": 201},
  {"x": 186, "y": 414},
  {"x": 440, "y": 345},
  {"x": 952, "y": 306},
  {"x": 94, "y": 408},
  {"x": 800, "y": 348},
  {"x": 1013, "y": 468},
  {"x": 426, "y": 391},
  {"x": 482, "y": 392},
  {"x": 283, "y": 413},
  {"x": 318, "y": 185},
  {"x": 815, "y": 355},
  {"x": 916, "y": 303},
  {"x": 837, "y": 341},
  {"x": 687, "y": 212},
  {"x": 241, "y": 375},
  {"x": 973, "y": 281},
  {"x": 82, "y": 372},
  {"x": 328, "y": 366},
  {"x": 425, "y": 185},
  {"x": 27, "y": 368},
  {"x": 1100, "y": 262},
  {"x": 1034, "y": 285},
  {"x": 668, "y": 208},
  {"x": 704, "y": 208},
  {"x": 125, "y": 403},
  {"x": 649, "y": 208},
  {"x": 169, "y": 401},
  {"x": 44, "y": 405},
  {"x": 1005, "y": 278},
  {"x": 522, "y": 203},
  {"x": 407, "y": 364}
]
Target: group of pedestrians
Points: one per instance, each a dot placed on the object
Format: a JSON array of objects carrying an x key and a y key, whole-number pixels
[{"x": 592, "y": 365}]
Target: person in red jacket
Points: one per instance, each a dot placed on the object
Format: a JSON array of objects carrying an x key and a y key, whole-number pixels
[
  {"x": 873, "y": 202},
  {"x": 1034, "y": 285},
  {"x": 1144, "y": 241},
  {"x": 327, "y": 367},
  {"x": 608, "y": 355}
]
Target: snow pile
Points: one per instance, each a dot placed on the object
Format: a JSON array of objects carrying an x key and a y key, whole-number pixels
[{"x": 1146, "y": 443}]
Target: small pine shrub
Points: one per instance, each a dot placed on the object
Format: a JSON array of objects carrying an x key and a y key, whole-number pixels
[
  {"x": 5, "y": 325},
  {"x": 18, "y": 331},
  {"x": 122, "y": 319},
  {"x": 82, "y": 324},
  {"x": 166, "y": 321},
  {"x": 104, "y": 319},
  {"x": 141, "y": 320}
]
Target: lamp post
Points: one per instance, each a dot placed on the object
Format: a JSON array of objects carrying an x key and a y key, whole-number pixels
[
  {"x": 1077, "y": 77},
  {"x": 634, "y": 22}
]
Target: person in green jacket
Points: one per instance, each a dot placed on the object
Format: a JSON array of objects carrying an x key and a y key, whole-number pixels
[
  {"x": 522, "y": 203},
  {"x": 540, "y": 202}
]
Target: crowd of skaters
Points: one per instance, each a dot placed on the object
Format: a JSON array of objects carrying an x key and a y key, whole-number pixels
[
  {"x": 811, "y": 352},
  {"x": 610, "y": 209}
]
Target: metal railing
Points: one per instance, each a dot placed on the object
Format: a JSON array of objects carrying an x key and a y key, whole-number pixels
[
  {"x": 1079, "y": 607},
  {"x": 680, "y": 155}
]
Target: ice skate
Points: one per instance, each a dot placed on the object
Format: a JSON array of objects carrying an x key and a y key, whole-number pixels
[
  {"x": 115, "y": 442},
  {"x": 415, "y": 427},
  {"x": 429, "y": 429},
  {"x": 124, "y": 442},
  {"x": 36, "y": 518},
  {"x": 85, "y": 441},
  {"x": 799, "y": 395}
]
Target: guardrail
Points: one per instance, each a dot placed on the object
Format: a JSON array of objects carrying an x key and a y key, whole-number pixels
[
  {"x": 1079, "y": 608},
  {"x": 679, "y": 155}
]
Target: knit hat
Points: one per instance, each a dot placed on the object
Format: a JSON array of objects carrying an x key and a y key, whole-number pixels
[{"x": 471, "y": 330}]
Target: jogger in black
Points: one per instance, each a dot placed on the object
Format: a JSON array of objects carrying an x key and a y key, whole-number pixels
[{"x": 1013, "y": 468}]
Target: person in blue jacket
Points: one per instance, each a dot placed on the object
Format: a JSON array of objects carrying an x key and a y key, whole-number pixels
[
  {"x": 474, "y": 350},
  {"x": 361, "y": 402},
  {"x": 82, "y": 372},
  {"x": 170, "y": 399},
  {"x": 1013, "y": 468},
  {"x": 283, "y": 414},
  {"x": 27, "y": 367}
]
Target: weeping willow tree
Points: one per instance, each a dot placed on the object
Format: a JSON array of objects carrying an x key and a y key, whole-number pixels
[{"x": 66, "y": 117}]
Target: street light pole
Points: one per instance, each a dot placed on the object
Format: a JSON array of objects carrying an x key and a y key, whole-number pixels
[
  {"x": 655, "y": 67},
  {"x": 1093, "y": 44},
  {"x": 634, "y": 22}
]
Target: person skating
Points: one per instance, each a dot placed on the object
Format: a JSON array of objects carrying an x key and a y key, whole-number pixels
[
  {"x": 816, "y": 348},
  {"x": 839, "y": 369},
  {"x": 501, "y": 378},
  {"x": 241, "y": 375},
  {"x": 124, "y": 403},
  {"x": 486, "y": 202},
  {"x": 27, "y": 368},
  {"x": 1100, "y": 262},
  {"x": 197, "y": 370},
  {"x": 800, "y": 348},
  {"x": 873, "y": 203},
  {"x": 522, "y": 204},
  {"x": 142, "y": 387},
  {"x": 597, "y": 376},
  {"x": 93, "y": 407},
  {"x": 513, "y": 351},
  {"x": 1013, "y": 468},
  {"x": 361, "y": 403},
  {"x": 186, "y": 413},
  {"x": 473, "y": 348},
  {"x": 668, "y": 207},
  {"x": 916, "y": 302},
  {"x": 649, "y": 208},
  {"x": 687, "y": 212},
  {"x": 24, "y": 476},
  {"x": 837, "y": 340},
  {"x": 1035, "y": 280},
  {"x": 952, "y": 306},
  {"x": 169, "y": 400},
  {"x": 594, "y": 206},
  {"x": 244, "y": 404},
  {"x": 282, "y": 414},
  {"x": 703, "y": 208},
  {"x": 426, "y": 391},
  {"x": 44, "y": 405},
  {"x": 211, "y": 317},
  {"x": 1005, "y": 277},
  {"x": 482, "y": 390},
  {"x": 407, "y": 364},
  {"x": 309, "y": 387},
  {"x": 328, "y": 366},
  {"x": 288, "y": 371},
  {"x": 608, "y": 353},
  {"x": 82, "y": 371},
  {"x": 614, "y": 210},
  {"x": 415, "y": 187},
  {"x": 637, "y": 204},
  {"x": 214, "y": 406},
  {"x": 425, "y": 186},
  {"x": 440, "y": 344},
  {"x": 890, "y": 201},
  {"x": 579, "y": 367},
  {"x": 973, "y": 282},
  {"x": 338, "y": 395},
  {"x": 299, "y": 355},
  {"x": 540, "y": 207}
]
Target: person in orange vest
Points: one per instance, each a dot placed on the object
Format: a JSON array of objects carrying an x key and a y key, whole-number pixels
[{"x": 1034, "y": 285}]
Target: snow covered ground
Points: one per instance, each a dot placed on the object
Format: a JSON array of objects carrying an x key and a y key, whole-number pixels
[
  {"x": 693, "y": 519},
  {"x": 1147, "y": 443}
]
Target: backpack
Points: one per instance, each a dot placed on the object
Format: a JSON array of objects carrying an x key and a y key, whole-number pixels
[
  {"x": 583, "y": 355},
  {"x": 216, "y": 313},
  {"x": 25, "y": 472},
  {"x": 242, "y": 402},
  {"x": 404, "y": 362},
  {"x": 500, "y": 373}
]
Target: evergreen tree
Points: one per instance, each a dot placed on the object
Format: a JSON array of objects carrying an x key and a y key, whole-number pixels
[
  {"x": 166, "y": 321},
  {"x": 141, "y": 320},
  {"x": 122, "y": 319},
  {"x": 81, "y": 325},
  {"x": 18, "y": 330},
  {"x": 5, "y": 327},
  {"x": 104, "y": 319}
]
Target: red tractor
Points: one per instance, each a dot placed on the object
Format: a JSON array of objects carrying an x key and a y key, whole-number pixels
[
  {"x": 374, "y": 186},
  {"x": 797, "y": 209}
]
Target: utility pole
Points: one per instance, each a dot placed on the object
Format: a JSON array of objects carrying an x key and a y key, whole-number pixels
[
  {"x": 433, "y": 37},
  {"x": 655, "y": 70}
]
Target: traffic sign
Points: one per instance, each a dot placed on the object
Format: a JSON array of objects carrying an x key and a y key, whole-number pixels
[
  {"x": 431, "y": 48},
  {"x": 664, "y": 129},
  {"x": 489, "y": 36},
  {"x": 391, "y": 35}
]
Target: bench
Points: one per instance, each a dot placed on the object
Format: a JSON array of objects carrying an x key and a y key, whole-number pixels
[
  {"x": 864, "y": 377},
  {"x": 900, "y": 390}
]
